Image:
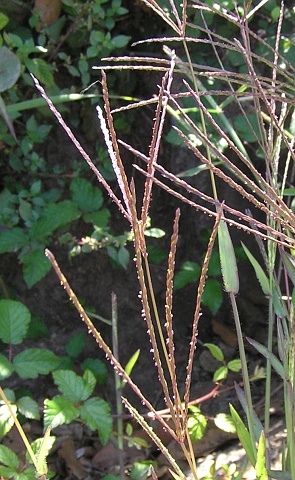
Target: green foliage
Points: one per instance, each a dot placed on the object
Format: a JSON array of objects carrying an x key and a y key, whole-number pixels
[
  {"x": 197, "y": 423},
  {"x": 75, "y": 403},
  {"x": 221, "y": 373},
  {"x": 35, "y": 211},
  {"x": 76, "y": 400}
]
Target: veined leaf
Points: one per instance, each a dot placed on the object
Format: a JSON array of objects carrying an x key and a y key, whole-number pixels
[
  {"x": 215, "y": 351},
  {"x": 14, "y": 321},
  {"x": 96, "y": 414},
  {"x": 75, "y": 388},
  {"x": 6, "y": 420},
  {"x": 35, "y": 361},
  {"x": 59, "y": 411},
  {"x": 8, "y": 457},
  {"x": 28, "y": 407},
  {"x": 197, "y": 424},
  {"x": 6, "y": 368},
  {"x": 87, "y": 197},
  {"x": 35, "y": 266}
]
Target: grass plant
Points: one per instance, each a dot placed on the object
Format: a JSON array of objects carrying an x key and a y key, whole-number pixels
[{"x": 265, "y": 87}]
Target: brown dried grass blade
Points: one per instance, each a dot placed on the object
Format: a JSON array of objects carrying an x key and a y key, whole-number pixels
[
  {"x": 112, "y": 145},
  {"x": 145, "y": 294},
  {"x": 158, "y": 126},
  {"x": 198, "y": 309},
  {"x": 169, "y": 322}
]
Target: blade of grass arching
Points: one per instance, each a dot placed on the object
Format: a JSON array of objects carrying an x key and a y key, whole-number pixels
[
  {"x": 63, "y": 98},
  {"x": 80, "y": 149},
  {"x": 242, "y": 399},
  {"x": 194, "y": 335},
  {"x": 157, "y": 134},
  {"x": 102, "y": 344},
  {"x": 244, "y": 436}
]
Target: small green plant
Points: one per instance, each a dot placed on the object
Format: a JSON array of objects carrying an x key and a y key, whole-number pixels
[
  {"x": 75, "y": 403},
  {"x": 41, "y": 207},
  {"x": 222, "y": 372}
]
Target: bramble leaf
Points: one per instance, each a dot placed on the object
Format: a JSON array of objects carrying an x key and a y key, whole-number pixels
[
  {"x": 14, "y": 321},
  {"x": 35, "y": 361},
  {"x": 59, "y": 411},
  {"x": 96, "y": 414}
]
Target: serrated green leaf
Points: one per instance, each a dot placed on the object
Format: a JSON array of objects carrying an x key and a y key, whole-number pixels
[
  {"x": 8, "y": 457},
  {"x": 235, "y": 365},
  {"x": 10, "y": 68},
  {"x": 87, "y": 197},
  {"x": 215, "y": 351},
  {"x": 220, "y": 374},
  {"x": 76, "y": 345},
  {"x": 212, "y": 295},
  {"x": 14, "y": 321},
  {"x": 28, "y": 407},
  {"x": 190, "y": 272},
  {"x": 90, "y": 379},
  {"x": 96, "y": 414},
  {"x": 227, "y": 260},
  {"x": 6, "y": 420},
  {"x": 260, "y": 467},
  {"x": 40, "y": 69},
  {"x": 12, "y": 240},
  {"x": 59, "y": 411},
  {"x": 75, "y": 388},
  {"x": 197, "y": 424},
  {"x": 244, "y": 436},
  {"x": 35, "y": 361},
  {"x": 99, "y": 219},
  {"x": 35, "y": 267},
  {"x": 6, "y": 368},
  {"x": 97, "y": 367},
  {"x": 8, "y": 472},
  {"x": 225, "y": 422},
  {"x": 54, "y": 215}
]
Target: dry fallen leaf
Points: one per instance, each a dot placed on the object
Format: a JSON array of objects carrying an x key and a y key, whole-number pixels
[{"x": 49, "y": 11}]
